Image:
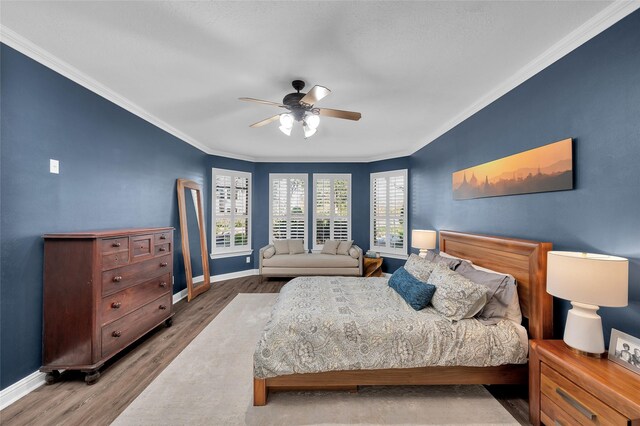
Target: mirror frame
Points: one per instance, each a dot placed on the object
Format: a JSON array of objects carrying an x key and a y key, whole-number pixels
[{"x": 184, "y": 234}]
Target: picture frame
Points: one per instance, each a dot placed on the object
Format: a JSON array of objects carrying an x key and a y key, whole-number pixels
[{"x": 624, "y": 350}]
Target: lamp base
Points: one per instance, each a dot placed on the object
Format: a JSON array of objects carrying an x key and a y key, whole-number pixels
[
  {"x": 423, "y": 253},
  {"x": 583, "y": 330}
]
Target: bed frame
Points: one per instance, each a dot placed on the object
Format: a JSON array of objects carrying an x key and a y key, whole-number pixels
[{"x": 525, "y": 260}]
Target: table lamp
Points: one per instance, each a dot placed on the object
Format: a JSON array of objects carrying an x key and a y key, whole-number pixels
[
  {"x": 588, "y": 281},
  {"x": 423, "y": 240}
]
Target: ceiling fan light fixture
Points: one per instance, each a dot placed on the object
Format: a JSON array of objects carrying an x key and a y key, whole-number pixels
[
  {"x": 286, "y": 120},
  {"x": 308, "y": 131},
  {"x": 312, "y": 121},
  {"x": 286, "y": 130}
]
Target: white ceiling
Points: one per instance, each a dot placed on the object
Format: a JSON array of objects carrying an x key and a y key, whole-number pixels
[{"x": 413, "y": 69}]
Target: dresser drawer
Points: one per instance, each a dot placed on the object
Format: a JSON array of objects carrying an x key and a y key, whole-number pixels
[
  {"x": 161, "y": 249},
  {"x": 141, "y": 247},
  {"x": 125, "y": 330},
  {"x": 121, "y": 303},
  {"x": 118, "y": 279},
  {"x": 114, "y": 260},
  {"x": 162, "y": 237},
  {"x": 578, "y": 404},
  {"x": 113, "y": 245}
]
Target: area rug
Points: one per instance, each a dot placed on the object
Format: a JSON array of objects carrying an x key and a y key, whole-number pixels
[{"x": 211, "y": 383}]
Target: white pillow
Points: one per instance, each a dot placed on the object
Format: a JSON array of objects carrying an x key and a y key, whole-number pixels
[
  {"x": 445, "y": 254},
  {"x": 343, "y": 247},
  {"x": 268, "y": 253}
]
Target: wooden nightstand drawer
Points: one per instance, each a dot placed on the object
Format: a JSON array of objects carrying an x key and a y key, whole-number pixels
[
  {"x": 580, "y": 405},
  {"x": 552, "y": 415}
]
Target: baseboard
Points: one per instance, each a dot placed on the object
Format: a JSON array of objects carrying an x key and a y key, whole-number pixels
[
  {"x": 179, "y": 296},
  {"x": 21, "y": 388},
  {"x": 231, "y": 275}
]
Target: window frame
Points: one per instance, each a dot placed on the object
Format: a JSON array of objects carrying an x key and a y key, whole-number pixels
[
  {"x": 397, "y": 253},
  {"x": 288, "y": 216},
  {"x": 233, "y": 250},
  {"x": 332, "y": 216}
]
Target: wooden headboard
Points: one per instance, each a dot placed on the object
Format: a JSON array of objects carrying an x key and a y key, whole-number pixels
[{"x": 524, "y": 259}]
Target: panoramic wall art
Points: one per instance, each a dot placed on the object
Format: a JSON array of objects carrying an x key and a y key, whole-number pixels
[{"x": 543, "y": 169}]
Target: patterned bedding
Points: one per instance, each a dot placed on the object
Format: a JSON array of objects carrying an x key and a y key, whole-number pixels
[{"x": 347, "y": 323}]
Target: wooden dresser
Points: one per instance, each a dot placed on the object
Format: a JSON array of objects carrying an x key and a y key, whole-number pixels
[
  {"x": 102, "y": 291},
  {"x": 566, "y": 388}
]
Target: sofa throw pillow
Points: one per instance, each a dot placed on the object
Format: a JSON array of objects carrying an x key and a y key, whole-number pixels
[
  {"x": 416, "y": 293},
  {"x": 500, "y": 289},
  {"x": 296, "y": 247},
  {"x": 281, "y": 246},
  {"x": 343, "y": 247},
  {"x": 418, "y": 267},
  {"x": 269, "y": 252},
  {"x": 330, "y": 247},
  {"x": 456, "y": 297}
]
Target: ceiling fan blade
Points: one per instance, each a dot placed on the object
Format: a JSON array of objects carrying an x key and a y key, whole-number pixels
[
  {"x": 266, "y": 121},
  {"x": 337, "y": 113},
  {"x": 314, "y": 95},
  {"x": 260, "y": 101}
]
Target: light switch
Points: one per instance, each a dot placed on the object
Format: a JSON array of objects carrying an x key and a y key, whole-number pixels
[{"x": 54, "y": 166}]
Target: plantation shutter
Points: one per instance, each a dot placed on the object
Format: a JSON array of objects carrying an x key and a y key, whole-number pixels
[
  {"x": 288, "y": 212},
  {"x": 231, "y": 211},
  {"x": 388, "y": 212},
  {"x": 332, "y": 208}
]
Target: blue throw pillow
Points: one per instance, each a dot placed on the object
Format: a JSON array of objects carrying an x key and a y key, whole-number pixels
[{"x": 416, "y": 293}]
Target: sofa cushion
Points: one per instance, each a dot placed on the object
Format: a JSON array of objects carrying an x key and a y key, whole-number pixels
[
  {"x": 296, "y": 247},
  {"x": 343, "y": 247},
  {"x": 330, "y": 247},
  {"x": 282, "y": 246},
  {"x": 353, "y": 252},
  {"x": 310, "y": 260},
  {"x": 269, "y": 252}
]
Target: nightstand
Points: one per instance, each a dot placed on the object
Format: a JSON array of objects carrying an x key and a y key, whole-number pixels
[
  {"x": 566, "y": 388},
  {"x": 372, "y": 267}
]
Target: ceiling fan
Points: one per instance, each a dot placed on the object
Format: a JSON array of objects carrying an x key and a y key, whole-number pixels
[{"x": 301, "y": 108}]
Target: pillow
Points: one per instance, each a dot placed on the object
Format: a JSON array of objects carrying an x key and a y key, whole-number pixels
[
  {"x": 343, "y": 247},
  {"x": 415, "y": 292},
  {"x": 269, "y": 252},
  {"x": 448, "y": 256},
  {"x": 353, "y": 252},
  {"x": 450, "y": 261},
  {"x": 281, "y": 246},
  {"x": 296, "y": 247},
  {"x": 499, "y": 295},
  {"x": 456, "y": 297},
  {"x": 513, "y": 310},
  {"x": 418, "y": 267},
  {"x": 330, "y": 247}
]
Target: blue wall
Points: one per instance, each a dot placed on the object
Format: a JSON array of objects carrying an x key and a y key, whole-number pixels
[
  {"x": 116, "y": 170},
  {"x": 591, "y": 95}
]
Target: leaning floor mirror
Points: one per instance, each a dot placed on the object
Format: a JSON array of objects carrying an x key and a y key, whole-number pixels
[{"x": 194, "y": 241}]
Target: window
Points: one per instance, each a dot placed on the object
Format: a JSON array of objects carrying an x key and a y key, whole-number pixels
[
  {"x": 389, "y": 212},
  {"x": 331, "y": 208},
  {"x": 288, "y": 207},
  {"x": 231, "y": 213}
]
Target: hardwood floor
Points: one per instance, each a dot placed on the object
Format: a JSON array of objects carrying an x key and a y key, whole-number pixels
[{"x": 71, "y": 402}]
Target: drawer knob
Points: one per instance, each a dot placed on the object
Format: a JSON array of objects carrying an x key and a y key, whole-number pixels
[
  {"x": 115, "y": 305},
  {"x": 116, "y": 244},
  {"x": 163, "y": 284},
  {"x": 163, "y": 264},
  {"x": 163, "y": 237},
  {"x": 575, "y": 404},
  {"x": 117, "y": 333},
  {"x": 162, "y": 249},
  {"x": 162, "y": 307},
  {"x": 117, "y": 279}
]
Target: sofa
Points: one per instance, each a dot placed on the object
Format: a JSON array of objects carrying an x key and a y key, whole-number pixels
[{"x": 285, "y": 264}]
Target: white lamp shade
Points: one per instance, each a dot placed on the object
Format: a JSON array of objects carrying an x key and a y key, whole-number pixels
[
  {"x": 595, "y": 279},
  {"x": 423, "y": 239}
]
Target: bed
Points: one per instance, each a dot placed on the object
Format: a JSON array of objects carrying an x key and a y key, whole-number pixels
[{"x": 502, "y": 363}]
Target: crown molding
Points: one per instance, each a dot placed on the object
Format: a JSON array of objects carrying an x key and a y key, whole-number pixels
[
  {"x": 576, "y": 38},
  {"x": 44, "y": 57}
]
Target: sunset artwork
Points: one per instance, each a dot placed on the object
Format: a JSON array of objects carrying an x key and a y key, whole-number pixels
[{"x": 547, "y": 168}]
